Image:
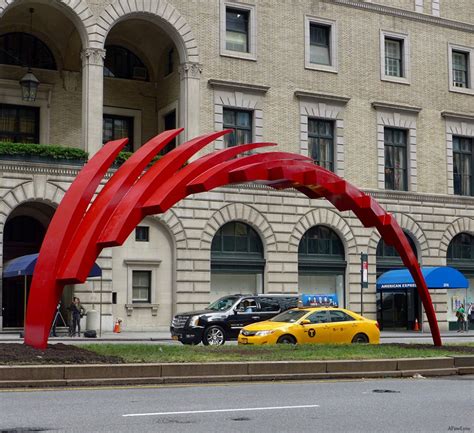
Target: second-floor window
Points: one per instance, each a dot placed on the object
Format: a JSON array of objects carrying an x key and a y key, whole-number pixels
[
  {"x": 394, "y": 57},
  {"x": 19, "y": 124},
  {"x": 241, "y": 122},
  {"x": 460, "y": 69},
  {"x": 321, "y": 142},
  {"x": 115, "y": 127},
  {"x": 320, "y": 44},
  {"x": 141, "y": 286},
  {"x": 463, "y": 161},
  {"x": 237, "y": 30},
  {"x": 395, "y": 159},
  {"x": 122, "y": 63}
]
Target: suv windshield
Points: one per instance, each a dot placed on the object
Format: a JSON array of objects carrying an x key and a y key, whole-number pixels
[
  {"x": 289, "y": 316},
  {"x": 223, "y": 304}
]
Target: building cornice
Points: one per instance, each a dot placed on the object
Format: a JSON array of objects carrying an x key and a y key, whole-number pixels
[
  {"x": 458, "y": 116},
  {"x": 234, "y": 85},
  {"x": 395, "y": 107},
  {"x": 327, "y": 97},
  {"x": 411, "y": 15}
]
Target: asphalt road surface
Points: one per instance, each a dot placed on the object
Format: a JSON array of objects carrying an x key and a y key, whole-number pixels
[{"x": 402, "y": 405}]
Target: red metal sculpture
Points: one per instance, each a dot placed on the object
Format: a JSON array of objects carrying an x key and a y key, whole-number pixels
[{"x": 78, "y": 232}]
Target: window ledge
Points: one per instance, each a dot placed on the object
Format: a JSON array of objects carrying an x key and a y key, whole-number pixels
[
  {"x": 321, "y": 68},
  {"x": 395, "y": 107},
  {"x": 398, "y": 80},
  {"x": 238, "y": 55},
  {"x": 234, "y": 85},
  {"x": 322, "y": 96},
  {"x": 463, "y": 90},
  {"x": 461, "y": 116},
  {"x": 152, "y": 307}
]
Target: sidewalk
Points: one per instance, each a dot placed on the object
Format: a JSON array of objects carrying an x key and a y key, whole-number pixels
[{"x": 163, "y": 335}]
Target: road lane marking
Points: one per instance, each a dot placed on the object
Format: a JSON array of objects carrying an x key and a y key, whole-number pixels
[{"x": 244, "y": 409}]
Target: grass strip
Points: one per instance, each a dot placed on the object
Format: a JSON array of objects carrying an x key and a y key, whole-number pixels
[{"x": 150, "y": 353}]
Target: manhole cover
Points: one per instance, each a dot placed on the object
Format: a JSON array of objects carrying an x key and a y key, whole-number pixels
[{"x": 386, "y": 390}]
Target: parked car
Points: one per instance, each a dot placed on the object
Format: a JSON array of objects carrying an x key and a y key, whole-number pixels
[
  {"x": 312, "y": 325},
  {"x": 223, "y": 319}
]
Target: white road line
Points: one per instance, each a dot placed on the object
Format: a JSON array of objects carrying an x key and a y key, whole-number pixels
[{"x": 248, "y": 409}]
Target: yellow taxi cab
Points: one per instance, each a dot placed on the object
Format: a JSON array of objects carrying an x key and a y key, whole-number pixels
[{"x": 312, "y": 325}]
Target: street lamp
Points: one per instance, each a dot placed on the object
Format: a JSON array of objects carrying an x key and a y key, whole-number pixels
[{"x": 29, "y": 83}]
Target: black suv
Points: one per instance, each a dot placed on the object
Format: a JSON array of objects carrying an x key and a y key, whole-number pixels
[{"x": 224, "y": 318}]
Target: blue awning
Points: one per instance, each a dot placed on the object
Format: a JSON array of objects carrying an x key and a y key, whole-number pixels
[
  {"x": 25, "y": 265},
  {"x": 441, "y": 277}
]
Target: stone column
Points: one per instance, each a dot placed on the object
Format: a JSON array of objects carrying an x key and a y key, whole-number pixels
[
  {"x": 92, "y": 98},
  {"x": 190, "y": 76}
]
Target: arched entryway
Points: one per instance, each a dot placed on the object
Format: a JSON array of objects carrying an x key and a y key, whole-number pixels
[
  {"x": 23, "y": 234},
  {"x": 237, "y": 260},
  {"x": 461, "y": 257},
  {"x": 396, "y": 308},
  {"x": 321, "y": 263}
]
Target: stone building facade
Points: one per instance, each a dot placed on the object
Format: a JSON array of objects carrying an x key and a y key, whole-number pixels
[{"x": 368, "y": 71}]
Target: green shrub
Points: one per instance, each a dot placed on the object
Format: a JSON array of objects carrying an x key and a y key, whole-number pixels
[{"x": 47, "y": 150}]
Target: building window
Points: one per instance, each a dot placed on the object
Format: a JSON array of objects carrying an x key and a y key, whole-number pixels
[
  {"x": 237, "y": 238},
  {"x": 19, "y": 124},
  {"x": 237, "y": 30},
  {"x": 169, "y": 120},
  {"x": 460, "y": 69},
  {"x": 463, "y": 162},
  {"x": 461, "y": 248},
  {"x": 321, "y": 45},
  {"x": 115, "y": 127},
  {"x": 321, "y": 142},
  {"x": 241, "y": 123},
  {"x": 142, "y": 234},
  {"x": 22, "y": 49},
  {"x": 395, "y": 159},
  {"x": 122, "y": 63},
  {"x": 141, "y": 286},
  {"x": 395, "y": 57},
  {"x": 322, "y": 241}
]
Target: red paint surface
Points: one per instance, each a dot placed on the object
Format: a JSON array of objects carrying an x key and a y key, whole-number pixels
[{"x": 77, "y": 233}]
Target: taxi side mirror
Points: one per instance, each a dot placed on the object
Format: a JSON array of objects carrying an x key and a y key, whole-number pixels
[{"x": 305, "y": 322}]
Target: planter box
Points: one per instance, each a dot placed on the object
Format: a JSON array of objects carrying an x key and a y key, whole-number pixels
[{"x": 42, "y": 159}]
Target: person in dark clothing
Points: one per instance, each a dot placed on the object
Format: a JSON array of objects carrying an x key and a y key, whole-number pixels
[{"x": 77, "y": 312}]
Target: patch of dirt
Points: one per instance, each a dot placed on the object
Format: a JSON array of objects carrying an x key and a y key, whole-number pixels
[{"x": 16, "y": 353}]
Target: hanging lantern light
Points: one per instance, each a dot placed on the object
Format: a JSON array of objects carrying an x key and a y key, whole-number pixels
[{"x": 29, "y": 86}]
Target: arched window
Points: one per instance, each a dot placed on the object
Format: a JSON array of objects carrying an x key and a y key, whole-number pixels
[
  {"x": 237, "y": 238},
  {"x": 388, "y": 256},
  {"x": 461, "y": 248},
  {"x": 322, "y": 241},
  {"x": 23, "y": 49},
  {"x": 122, "y": 63},
  {"x": 321, "y": 263}
]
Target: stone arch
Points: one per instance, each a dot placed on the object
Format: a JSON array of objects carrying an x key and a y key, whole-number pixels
[
  {"x": 409, "y": 225},
  {"x": 175, "y": 227},
  {"x": 463, "y": 224},
  {"x": 244, "y": 213},
  {"x": 327, "y": 218},
  {"x": 46, "y": 192},
  {"x": 170, "y": 19},
  {"x": 78, "y": 11}
]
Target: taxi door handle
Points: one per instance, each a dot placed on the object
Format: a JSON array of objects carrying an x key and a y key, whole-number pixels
[{"x": 256, "y": 317}]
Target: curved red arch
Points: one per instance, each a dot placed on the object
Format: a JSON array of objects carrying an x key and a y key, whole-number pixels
[{"x": 76, "y": 234}]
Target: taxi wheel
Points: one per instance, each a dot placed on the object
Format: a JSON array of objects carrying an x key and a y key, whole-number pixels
[
  {"x": 213, "y": 336},
  {"x": 286, "y": 339},
  {"x": 360, "y": 338}
]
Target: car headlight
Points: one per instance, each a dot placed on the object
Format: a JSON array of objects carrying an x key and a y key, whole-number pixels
[
  {"x": 263, "y": 333},
  {"x": 194, "y": 321}
]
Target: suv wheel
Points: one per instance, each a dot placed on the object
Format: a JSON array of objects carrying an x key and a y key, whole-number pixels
[{"x": 213, "y": 336}]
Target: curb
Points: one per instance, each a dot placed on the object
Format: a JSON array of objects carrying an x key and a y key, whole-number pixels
[{"x": 34, "y": 376}]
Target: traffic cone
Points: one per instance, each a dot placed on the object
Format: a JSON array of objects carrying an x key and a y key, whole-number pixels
[
  {"x": 416, "y": 327},
  {"x": 117, "y": 329}
]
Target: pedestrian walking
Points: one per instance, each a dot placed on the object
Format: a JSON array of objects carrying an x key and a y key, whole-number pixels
[
  {"x": 469, "y": 316},
  {"x": 77, "y": 312},
  {"x": 461, "y": 319}
]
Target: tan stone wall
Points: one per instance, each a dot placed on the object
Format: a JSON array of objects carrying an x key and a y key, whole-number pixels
[{"x": 408, "y": 5}]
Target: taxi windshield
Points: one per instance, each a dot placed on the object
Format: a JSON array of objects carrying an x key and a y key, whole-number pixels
[
  {"x": 223, "y": 304},
  {"x": 290, "y": 316}
]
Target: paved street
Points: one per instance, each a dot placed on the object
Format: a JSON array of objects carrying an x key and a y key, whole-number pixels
[{"x": 404, "y": 405}]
